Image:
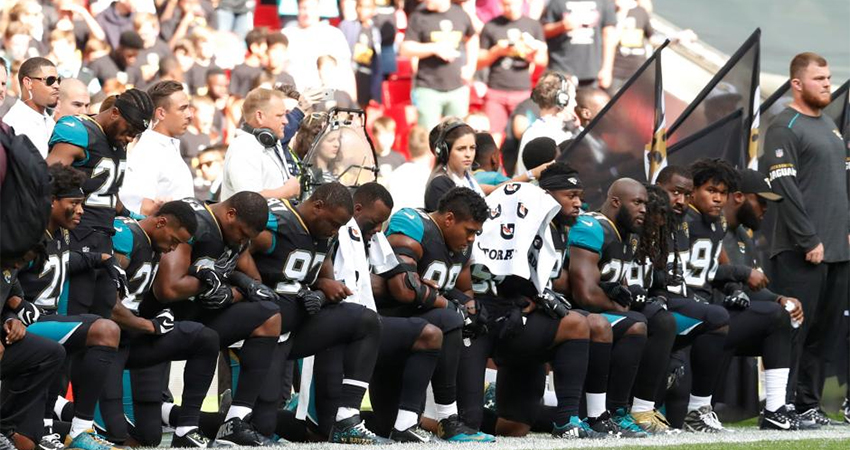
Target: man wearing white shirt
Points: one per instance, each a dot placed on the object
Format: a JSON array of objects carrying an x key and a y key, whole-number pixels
[
  {"x": 156, "y": 173},
  {"x": 255, "y": 160},
  {"x": 39, "y": 83},
  {"x": 555, "y": 94},
  {"x": 407, "y": 182}
]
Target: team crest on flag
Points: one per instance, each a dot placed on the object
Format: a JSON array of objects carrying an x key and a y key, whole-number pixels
[
  {"x": 495, "y": 212},
  {"x": 507, "y": 231},
  {"x": 512, "y": 188},
  {"x": 521, "y": 210}
]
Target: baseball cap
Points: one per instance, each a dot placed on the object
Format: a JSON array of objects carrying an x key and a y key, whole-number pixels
[{"x": 754, "y": 182}]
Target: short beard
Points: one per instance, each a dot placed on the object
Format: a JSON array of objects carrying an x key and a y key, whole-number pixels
[
  {"x": 747, "y": 217},
  {"x": 814, "y": 101},
  {"x": 625, "y": 221}
]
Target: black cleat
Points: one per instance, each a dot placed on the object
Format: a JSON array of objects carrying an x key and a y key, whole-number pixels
[
  {"x": 817, "y": 416},
  {"x": 413, "y": 434},
  {"x": 236, "y": 432},
  {"x": 781, "y": 419},
  {"x": 192, "y": 439}
]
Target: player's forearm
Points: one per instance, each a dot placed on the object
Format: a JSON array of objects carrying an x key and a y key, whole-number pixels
[
  {"x": 126, "y": 320},
  {"x": 592, "y": 298},
  {"x": 177, "y": 290}
]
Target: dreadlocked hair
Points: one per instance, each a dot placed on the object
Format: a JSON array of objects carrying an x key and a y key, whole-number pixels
[{"x": 658, "y": 226}]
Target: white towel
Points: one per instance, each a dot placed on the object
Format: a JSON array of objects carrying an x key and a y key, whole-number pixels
[
  {"x": 516, "y": 239},
  {"x": 352, "y": 267}
]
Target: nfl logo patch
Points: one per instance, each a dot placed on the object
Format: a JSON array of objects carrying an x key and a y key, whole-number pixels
[{"x": 778, "y": 152}]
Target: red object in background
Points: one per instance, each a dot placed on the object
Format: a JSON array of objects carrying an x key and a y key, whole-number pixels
[
  {"x": 266, "y": 16},
  {"x": 396, "y": 92}
]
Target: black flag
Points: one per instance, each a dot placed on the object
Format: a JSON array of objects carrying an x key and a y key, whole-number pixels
[
  {"x": 735, "y": 86},
  {"x": 617, "y": 142}
]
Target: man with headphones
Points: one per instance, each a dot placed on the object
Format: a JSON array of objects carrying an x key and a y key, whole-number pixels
[
  {"x": 255, "y": 160},
  {"x": 555, "y": 94}
]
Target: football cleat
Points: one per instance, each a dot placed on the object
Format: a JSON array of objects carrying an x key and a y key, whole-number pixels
[
  {"x": 89, "y": 440},
  {"x": 51, "y": 442},
  {"x": 703, "y": 420},
  {"x": 846, "y": 408},
  {"x": 453, "y": 430},
  {"x": 354, "y": 431},
  {"x": 238, "y": 432},
  {"x": 192, "y": 439},
  {"x": 604, "y": 424},
  {"x": 413, "y": 434},
  {"x": 626, "y": 423},
  {"x": 781, "y": 419},
  {"x": 817, "y": 416},
  {"x": 576, "y": 429},
  {"x": 5, "y": 443},
  {"x": 653, "y": 422}
]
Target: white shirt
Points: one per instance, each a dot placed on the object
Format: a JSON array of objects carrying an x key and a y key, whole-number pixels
[
  {"x": 156, "y": 171},
  {"x": 28, "y": 122},
  {"x": 306, "y": 45},
  {"x": 546, "y": 126},
  {"x": 407, "y": 185},
  {"x": 248, "y": 166}
]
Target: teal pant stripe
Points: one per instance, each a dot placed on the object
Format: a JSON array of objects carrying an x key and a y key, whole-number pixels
[
  {"x": 685, "y": 324},
  {"x": 234, "y": 371},
  {"x": 63, "y": 298},
  {"x": 613, "y": 319},
  {"x": 55, "y": 331}
]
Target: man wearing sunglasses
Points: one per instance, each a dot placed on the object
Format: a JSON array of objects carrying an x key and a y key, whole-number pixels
[
  {"x": 39, "y": 83},
  {"x": 96, "y": 145}
]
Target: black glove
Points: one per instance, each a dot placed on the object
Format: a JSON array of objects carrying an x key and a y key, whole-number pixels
[
  {"x": 617, "y": 293},
  {"x": 639, "y": 296},
  {"x": 27, "y": 312},
  {"x": 226, "y": 263},
  {"x": 737, "y": 300},
  {"x": 512, "y": 323},
  {"x": 163, "y": 323},
  {"x": 252, "y": 289},
  {"x": 118, "y": 276},
  {"x": 476, "y": 324},
  {"x": 553, "y": 304},
  {"x": 218, "y": 293},
  {"x": 312, "y": 300}
]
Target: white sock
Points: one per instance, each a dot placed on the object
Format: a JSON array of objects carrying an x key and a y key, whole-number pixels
[
  {"x": 641, "y": 405},
  {"x": 183, "y": 431},
  {"x": 549, "y": 398},
  {"x": 775, "y": 381},
  {"x": 60, "y": 405},
  {"x": 445, "y": 411},
  {"x": 79, "y": 425},
  {"x": 346, "y": 413},
  {"x": 595, "y": 404},
  {"x": 696, "y": 402},
  {"x": 48, "y": 425},
  {"x": 166, "y": 412},
  {"x": 490, "y": 375},
  {"x": 237, "y": 411},
  {"x": 405, "y": 419}
]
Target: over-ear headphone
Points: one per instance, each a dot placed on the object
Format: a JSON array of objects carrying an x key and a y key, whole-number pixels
[
  {"x": 562, "y": 95},
  {"x": 265, "y": 136},
  {"x": 441, "y": 147}
]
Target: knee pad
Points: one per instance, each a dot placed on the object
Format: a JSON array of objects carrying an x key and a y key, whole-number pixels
[
  {"x": 206, "y": 341},
  {"x": 369, "y": 322},
  {"x": 716, "y": 317},
  {"x": 446, "y": 319}
]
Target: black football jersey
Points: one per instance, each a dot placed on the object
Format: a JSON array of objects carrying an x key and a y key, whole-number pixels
[
  {"x": 48, "y": 287},
  {"x": 131, "y": 241},
  {"x": 295, "y": 258},
  {"x": 437, "y": 263},
  {"x": 104, "y": 164},
  {"x": 706, "y": 242},
  {"x": 595, "y": 232}
]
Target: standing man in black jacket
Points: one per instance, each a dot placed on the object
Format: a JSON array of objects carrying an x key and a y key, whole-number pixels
[{"x": 806, "y": 162}]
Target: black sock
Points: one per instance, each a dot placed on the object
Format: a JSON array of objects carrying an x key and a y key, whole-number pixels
[
  {"x": 88, "y": 372},
  {"x": 198, "y": 375},
  {"x": 598, "y": 366},
  {"x": 415, "y": 378},
  {"x": 570, "y": 367},
  {"x": 254, "y": 366},
  {"x": 444, "y": 380},
  {"x": 264, "y": 415},
  {"x": 653, "y": 368},
  {"x": 359, "y": 360},
  {"x": 209, "y": 423},
  {"x": 625, "y": 354},
  {"x": 707, "y": 355}
]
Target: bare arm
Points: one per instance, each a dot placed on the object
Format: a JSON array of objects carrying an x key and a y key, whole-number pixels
[
  {"x": 290, "y": 189},
  {"x": 65, "y": 154},
  {"x": 173, "y": 282},
  {"x": 246, "y": 265},
  {"x": 129, "y": 321},
  {"x": 413, "y": 49},
  {"x": 584, "y": 282}
]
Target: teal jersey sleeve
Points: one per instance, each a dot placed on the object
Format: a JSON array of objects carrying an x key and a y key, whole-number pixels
[
  {"x": 271, "y": 225},
  {"x": 122, "y": 240},
  {"x": 407, "y": 222},
  {"x": 490, "y": 178},
  {"x": 70, "y": 130},
  {"x": 587, "y": 233}
]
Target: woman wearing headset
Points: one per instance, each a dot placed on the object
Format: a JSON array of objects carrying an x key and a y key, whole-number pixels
[{"x": 453, "y": 143}]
